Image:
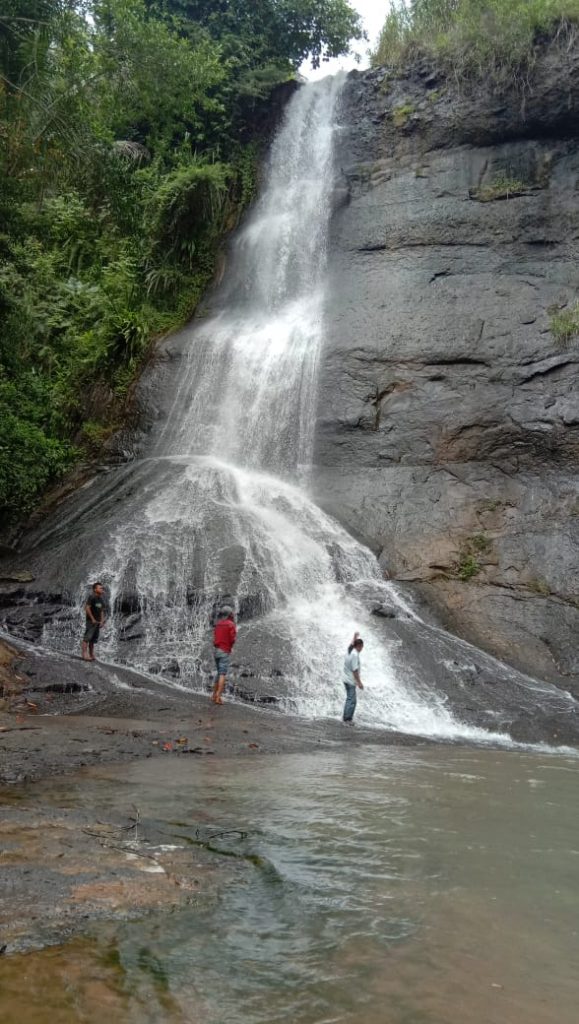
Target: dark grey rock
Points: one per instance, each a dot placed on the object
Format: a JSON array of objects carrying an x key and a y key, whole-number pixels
[
  {"x": 383, "y": 611},
  {"x": 447, "y": 410}
]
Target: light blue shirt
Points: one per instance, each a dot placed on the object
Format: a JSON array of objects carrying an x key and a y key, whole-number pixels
[{"x": 351, "y": 665}]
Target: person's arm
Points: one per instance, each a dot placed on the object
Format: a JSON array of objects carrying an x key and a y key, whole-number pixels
[
  {"x": 89, "y": 614},
  {"x": 233, "y": 633}
]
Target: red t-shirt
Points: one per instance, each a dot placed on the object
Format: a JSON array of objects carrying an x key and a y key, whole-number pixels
[{"x": 224, "y": 635}]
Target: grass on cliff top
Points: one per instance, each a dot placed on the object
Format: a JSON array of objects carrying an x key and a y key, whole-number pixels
[{"x": 476, "y": 39}]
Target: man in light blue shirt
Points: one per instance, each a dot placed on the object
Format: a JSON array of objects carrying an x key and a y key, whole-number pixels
[{"x": 352, "y": 680}]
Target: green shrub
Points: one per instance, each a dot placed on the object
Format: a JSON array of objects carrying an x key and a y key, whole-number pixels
[
  {"x": 30, "y": 458},
  {"x": 500, "y": 188},
  {"x": 476, "y": 39},
  {"x": 565, "y": 325},
  {"x": 480, "y": 543},
  {"x": 468, "y": 567},
  {"x": 401, "y": 114},
  {"x": 468, "y": 564}
]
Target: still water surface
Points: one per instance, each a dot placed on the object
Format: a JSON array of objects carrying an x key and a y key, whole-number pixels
[{"x": 433, "y": 886}]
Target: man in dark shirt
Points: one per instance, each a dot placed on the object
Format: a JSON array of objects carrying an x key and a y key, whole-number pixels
[
  {"x": 95, "y": 619},
  {"x": 224, "y": 637}
]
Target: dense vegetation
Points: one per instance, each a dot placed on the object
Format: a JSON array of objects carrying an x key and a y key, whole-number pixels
[
  {"x": 475, "y": 39},
  {"x": 127, "y": 150}
]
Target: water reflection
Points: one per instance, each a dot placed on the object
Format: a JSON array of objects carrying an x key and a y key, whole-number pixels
[{"x": 368, "y": 887}]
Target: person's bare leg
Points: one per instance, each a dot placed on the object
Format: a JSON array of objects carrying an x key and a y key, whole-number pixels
[
  {"x": 219, "y": 690},
  {"x": 214, "y": 694},
  {"x": 84, "y": 650},
  {"x": 91, "y": 652}
]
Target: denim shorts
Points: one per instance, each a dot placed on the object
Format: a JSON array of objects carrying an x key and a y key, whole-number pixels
[{"x": 221, "y": 661}]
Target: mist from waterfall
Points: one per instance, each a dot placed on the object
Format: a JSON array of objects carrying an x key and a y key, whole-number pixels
[{"x": 226, "y": 512}]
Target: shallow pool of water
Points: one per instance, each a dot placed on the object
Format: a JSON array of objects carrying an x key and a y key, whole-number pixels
[{"x": 367, "y": 886}]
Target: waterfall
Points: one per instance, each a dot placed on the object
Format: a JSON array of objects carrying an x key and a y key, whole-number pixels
[{"x": 221, "y": 506}]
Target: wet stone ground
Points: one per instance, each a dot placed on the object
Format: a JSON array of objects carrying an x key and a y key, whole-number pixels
[{"x": 62, "y": 868}]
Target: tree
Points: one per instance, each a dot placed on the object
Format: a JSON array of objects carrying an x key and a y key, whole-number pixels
[
  {"x": 154, "y": 84},
  {"x": 273, "y": 30}
]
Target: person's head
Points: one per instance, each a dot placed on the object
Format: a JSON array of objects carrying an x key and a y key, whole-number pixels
[
  {"x": 356, "y": 645},
  {"x": 98, "y": 589},
  {"x": 226, "y": 612}
]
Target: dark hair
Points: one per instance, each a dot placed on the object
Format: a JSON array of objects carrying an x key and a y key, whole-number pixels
[
  {"x": 97, "y": 584},
  {"x": 355, "y": 643}
]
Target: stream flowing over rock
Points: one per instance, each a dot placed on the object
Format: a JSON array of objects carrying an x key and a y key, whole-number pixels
[{"x": 374, "y": 376}]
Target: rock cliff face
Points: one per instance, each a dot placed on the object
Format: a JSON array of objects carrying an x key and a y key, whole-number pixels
[{"x": 448, "y": 427}]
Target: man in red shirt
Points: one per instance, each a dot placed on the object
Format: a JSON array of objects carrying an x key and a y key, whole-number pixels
[{"x": 224, "y": 637}]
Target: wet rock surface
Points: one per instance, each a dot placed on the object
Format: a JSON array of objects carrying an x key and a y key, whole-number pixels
[
  {"x": 448, "y": 419},
  {"x": 62, "y": 868},
  {"x": 61, "y": 714}
]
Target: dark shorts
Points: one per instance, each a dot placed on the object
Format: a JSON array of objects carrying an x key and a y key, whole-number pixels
[
  {"x": 91, "y": 633},
  {"x": 221, "y": 661}
]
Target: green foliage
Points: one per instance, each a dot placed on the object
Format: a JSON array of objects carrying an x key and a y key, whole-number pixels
[
  {"x": 29, "y": 457},
  {"x": 468, "y": 567},
  {"x": 565, "y": 325},
  {"x": 183, "y": 203},
  {"x": 474, "y": 39},
  {"x": 401, "y": 114},
  {"x": 273, "y": 31},
  {"x": 247, "y": 166},
  {"x": 468, "y": 562},
  {"x": 480, "y": 543},
  {"x": 501, "y": 188},
  {"x": 127, "y": 150}
]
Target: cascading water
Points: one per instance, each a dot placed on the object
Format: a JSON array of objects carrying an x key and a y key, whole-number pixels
[{"x": 226, "y": 511}]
